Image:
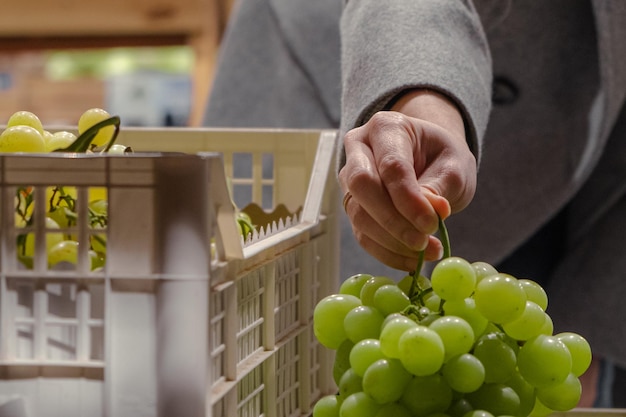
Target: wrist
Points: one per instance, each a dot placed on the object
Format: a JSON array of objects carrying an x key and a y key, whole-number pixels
[{"x": 432, "y": 106}]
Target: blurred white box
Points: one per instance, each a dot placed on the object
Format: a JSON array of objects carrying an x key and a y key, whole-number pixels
[{"x": 150, "y": 98}]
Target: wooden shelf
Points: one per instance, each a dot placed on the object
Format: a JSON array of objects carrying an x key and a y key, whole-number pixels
[{"x": 71, "y": 24}]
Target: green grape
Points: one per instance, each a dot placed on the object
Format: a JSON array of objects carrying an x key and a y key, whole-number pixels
[
  {"x": 385, "y": 380},
  {"x": 390, "y": 335},
  {"x": 500, "y": 298},
  {"x": 534, "y": 292},
  {"x": 47, "y": 137},
  {"x": 98, "y": 242},
  {"x": 528, "y": 325},
  {"x": 342, "y": 360},
  {"x": 118, "y": 149},
  {"x": 525, "y": 392},
  {"x": 433, "y": 302},
  {"x": 64, "y": 216},
  {"x": 363, "y": 322},
  {"x": 478, "y": 413},
  {"x": 426, "y": 395},
  {"x": 359, "y": 405},
  {"x": 21, "y": 139},
  {"x": 427, "y": 316},
  {"x": 244, "y": 223},
  {"x": 328, "y": 318},
  {"x": 540, "y": 410},
  {"x": 391, "y": 317},
  {"x": 544, "y": 361},
  {"x": 466, "y": 309},
  {"x": 406, "y": 284},
  {"x": 26, "y": 118},
  {"x": 497, "y": 356},
  {"x": 92, "y": 117},
  {"x": 563, "y": 396},
  {"x": 365, "y": 353},
  {"x": 98, "y": 219},
  {"x": 453, "y": 278},
  {"x": 459, "y": 407},
  {"x": 327, "y": 406},
  {"x": 393, "y": 410},
  {"x": 354, "y": 284},
  {"x": 52, "y": 238},
  {"x": 548, "y": 326},
  {"x": 97, "y": 260},
  {"x": 59, "y": 140},
  {"x": 498, "y": 399},
  {"x": 371, "y": 285},
  {"x": 464, "y": 373},
  {"x": 389, "y": 298},
  {"x": 456, "y": 334},
  {"x": 483, "y": 269},
  {"x": 65, "y": 251},
  {"x": 421, "y": 350},
  {"x": 349, "y": 383},
  {"x": 580, "y": 350},
  {"x": 99, "y": 207}
]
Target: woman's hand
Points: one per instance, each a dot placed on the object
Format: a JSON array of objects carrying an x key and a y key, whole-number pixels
[{"x": 404, "y": 168}]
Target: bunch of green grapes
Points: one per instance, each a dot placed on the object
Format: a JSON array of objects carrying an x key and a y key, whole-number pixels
[
  {"x": 468, "y": 341},
  {"x": 61, "y": 217},
  {"x": 97, "y": 132}
]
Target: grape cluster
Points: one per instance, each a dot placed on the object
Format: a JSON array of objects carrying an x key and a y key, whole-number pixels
[
  {"x": 25, "y": 133},
  {"x": 97, "y": 133},
  {"x": 61, "y": 218},
  {"x": 467, "y": 342}
]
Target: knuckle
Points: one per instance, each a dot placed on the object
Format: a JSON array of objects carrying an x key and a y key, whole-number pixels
[
  {"x": 459, "y": 184},
  {"x": 391, "y": 167},
  {"x": 386, "y": 121},
  {"x": 358, "y": 179},
  {"x": 351, "y": 136}
]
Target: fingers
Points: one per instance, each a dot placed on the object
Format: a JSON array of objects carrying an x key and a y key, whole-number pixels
[
  {"x": 364, "y": 225},
  {"x": 402, "y": 175},
  {"x": 378, "y": 242},
  {"x": 402, "y": 261},
  {"x": 381, "y": 177}
]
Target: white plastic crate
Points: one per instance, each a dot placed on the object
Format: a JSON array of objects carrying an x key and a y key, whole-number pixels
[{"x": 185, "y": 318}]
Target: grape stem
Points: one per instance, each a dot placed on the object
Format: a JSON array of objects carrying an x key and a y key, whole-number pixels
[
  {"x": 419, "y": 297},
  {"x": 445, "y": 238},
  {"x": 415, "y": 275},
  {"x": 83, "y": 141},
  {"x": 445, "y": 242}
]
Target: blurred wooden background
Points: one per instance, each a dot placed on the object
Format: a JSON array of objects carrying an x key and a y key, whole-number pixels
[{"x": 30, "y": 26}]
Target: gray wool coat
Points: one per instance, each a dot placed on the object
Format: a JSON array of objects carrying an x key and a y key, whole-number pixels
[{"x": 541, "y": 84}]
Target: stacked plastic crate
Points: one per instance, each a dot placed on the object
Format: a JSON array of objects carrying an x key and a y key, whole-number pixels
[{"x": 186, "y": 317}]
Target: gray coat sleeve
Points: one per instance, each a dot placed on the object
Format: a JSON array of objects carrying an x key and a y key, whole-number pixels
[{"x": 391, "y": 46}]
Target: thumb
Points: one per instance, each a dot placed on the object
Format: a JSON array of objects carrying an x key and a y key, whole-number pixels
[{"x": 440, "y": 204}]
